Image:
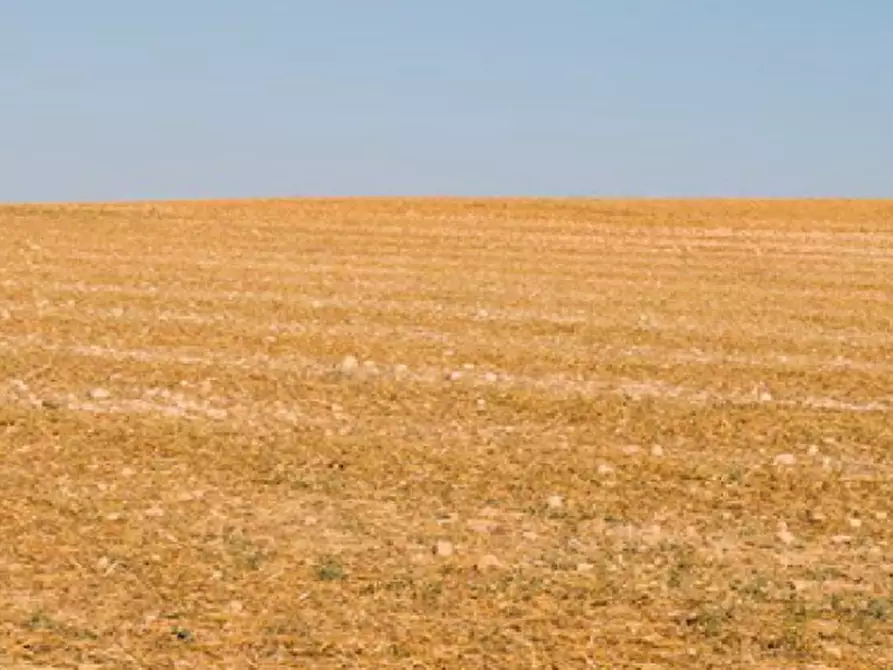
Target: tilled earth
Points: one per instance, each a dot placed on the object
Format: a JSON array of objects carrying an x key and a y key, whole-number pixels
[{"x": 447, "y": 434}]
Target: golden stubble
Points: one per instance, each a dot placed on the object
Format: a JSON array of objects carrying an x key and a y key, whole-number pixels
[{"x": 446, "y": 434}]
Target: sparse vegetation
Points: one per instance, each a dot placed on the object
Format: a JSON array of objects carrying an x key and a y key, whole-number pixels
[{"x": 445, "y": 433}]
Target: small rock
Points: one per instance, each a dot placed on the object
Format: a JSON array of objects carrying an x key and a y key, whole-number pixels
[
  {"x": 487, "y": 562},
  {"x": 785, "y": 535},
  {"x": 604, "y": 469},
  {"x": 99, "y": 394},
  {"x": 370, "y": 367},
  {"x": 555, "y": 502},
  {"x": 349, "y": 365},
  {"x": 630, "y": 449},
  {"x": 785, "y": 460},
  {"x": 833, "y": 651},
  {"x": 816, "y": 516},
  {"x": 854, "y": 523},
  {"x": 154, "y": 512},
  {"x": 491, "y": 378},
  {"x": 400, "y": 370},
  {"x": 813, "y": 450},
  {"x": 824, "y": 628},
  {"x": 842, "y": 539},
  {"x": 880, "y": 516},
  {"x": 530, "y": 536},
  {"x": 482, "y": 525},
  {"x": 657, "y": 451},
  {"x": 444, "y": 548},
  {"x": 584, "y": 567},
  {"x": 454, "y": 375}
]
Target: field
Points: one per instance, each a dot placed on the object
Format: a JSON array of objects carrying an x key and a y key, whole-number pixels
[{"x": 447, "y": 434}]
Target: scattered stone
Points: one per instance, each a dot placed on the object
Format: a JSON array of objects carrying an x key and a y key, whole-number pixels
[
  {"x": 99, "y": 394},
  {"x": 491, "y": 377},
  {"x": 824, "y": 628},
  {"x": 630, "y": 449},
  {"x": 454, "y": 375},
  {"x": 815, "y": 516},
  {"x": 349, "y": 366},
  {"x": 154, "y": 512},
  {"x": 833, "y": 651},
  {"x": 785, "y": 535},
  {"x": 842, "y": 539},
  {"x": 444, "y": 549},
  {"x": 605, "y": 470},
  {"x": 813, "y": 450},
  {"x": 530, "y": 536},
  {"x": 487, "y": 562},
  {"x": 854, "y": 523},
  {"x": 489, "y": 512},
  {"x": 657, "y": 451},
  {"x": 880, "y": 516},
  {"x": 785, "y": 460},
  {"x": 585, "y": 567},
  {"x": 482, "y": 525},
  {"x": 555, "y": 502},
  {"x": 370, "y": 367}
]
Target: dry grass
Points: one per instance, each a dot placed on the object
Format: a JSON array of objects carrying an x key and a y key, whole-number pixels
[{"x": 578, "y": 434}]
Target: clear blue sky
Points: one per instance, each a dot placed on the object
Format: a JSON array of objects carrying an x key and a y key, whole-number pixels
[{"x": 112, "y": 100}]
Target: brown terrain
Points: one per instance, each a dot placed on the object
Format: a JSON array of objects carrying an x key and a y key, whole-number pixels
[{"x": 447, "y": 434}]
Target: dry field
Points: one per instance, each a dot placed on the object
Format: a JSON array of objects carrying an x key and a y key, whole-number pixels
[{"x": 447, "y": 434}]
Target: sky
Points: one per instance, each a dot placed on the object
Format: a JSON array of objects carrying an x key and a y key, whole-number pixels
[{"x": 172, "y": 99}]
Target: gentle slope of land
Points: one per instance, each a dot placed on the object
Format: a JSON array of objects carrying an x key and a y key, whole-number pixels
[{"x": 447, "y": 434}]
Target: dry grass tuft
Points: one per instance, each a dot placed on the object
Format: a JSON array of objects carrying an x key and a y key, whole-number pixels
[{"x": 446, "y": 434}]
